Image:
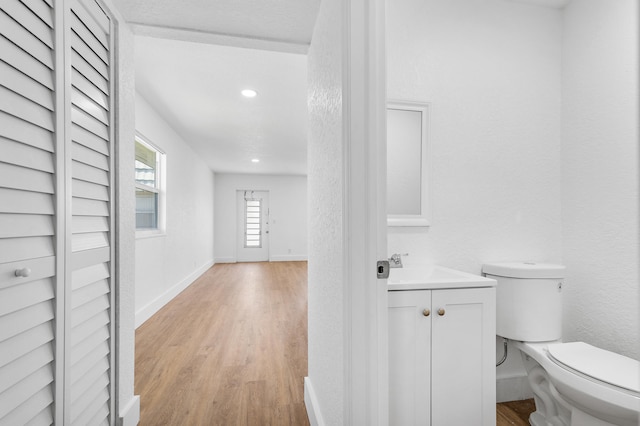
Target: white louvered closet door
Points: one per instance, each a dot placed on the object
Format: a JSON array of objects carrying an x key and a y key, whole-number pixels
[
  {"x": 28, "y": 192},
  {"x": 56, "y": 222},
  {"x": 89, "y": 383}
]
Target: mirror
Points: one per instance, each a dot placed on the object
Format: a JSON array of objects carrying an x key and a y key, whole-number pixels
[{"x": 407, "y": 171}]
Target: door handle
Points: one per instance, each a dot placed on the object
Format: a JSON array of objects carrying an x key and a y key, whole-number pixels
[{"x": 24, "y": 272}]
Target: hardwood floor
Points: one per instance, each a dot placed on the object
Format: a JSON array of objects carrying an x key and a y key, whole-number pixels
[
  {"x": 229, "y": 350},
  {"x": 514, "y": 413},
  {"x": 232, "y": 350}
]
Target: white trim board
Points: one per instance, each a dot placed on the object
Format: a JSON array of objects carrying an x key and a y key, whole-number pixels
[
  {"x": 154, "y": 306},
  {"x": 226, "y": 260},
  {"x": 312, "y": 405},
  {"x": 364, "y": 214},
  {"x": 207, "y": 37},
  {"x": 130, "y": 415},
  {"x": 289, "y": 258}
]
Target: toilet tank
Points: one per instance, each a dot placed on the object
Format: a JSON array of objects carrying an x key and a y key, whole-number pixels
[{"x": 528, "y": 300}]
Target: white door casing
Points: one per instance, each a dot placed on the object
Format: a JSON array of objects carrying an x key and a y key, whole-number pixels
[
  {"x": 365, "y": 217},
  {"x": 252, "y": 253}
]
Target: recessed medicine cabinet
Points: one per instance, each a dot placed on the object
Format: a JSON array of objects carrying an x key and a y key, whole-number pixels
[{"x": 407, "y": 163}]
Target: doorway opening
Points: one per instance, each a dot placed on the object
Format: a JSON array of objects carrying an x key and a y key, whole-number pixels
[{"x": 252, "y": 237}]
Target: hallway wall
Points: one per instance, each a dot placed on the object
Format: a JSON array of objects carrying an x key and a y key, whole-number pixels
[
  {"x": 287, "y": 214},
  {"x": 325, "y": 385},
  {"x": 166, "y": 264}
]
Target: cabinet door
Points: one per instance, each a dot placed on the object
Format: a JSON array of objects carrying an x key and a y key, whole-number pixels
[
  {"x": 409, "y": 358},
  {"x": 463, "y": 357}
]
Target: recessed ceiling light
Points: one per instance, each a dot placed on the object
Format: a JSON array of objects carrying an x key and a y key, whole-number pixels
[
  {"x": 255, "y": 160},
  {"x": 249, "y": 93}
]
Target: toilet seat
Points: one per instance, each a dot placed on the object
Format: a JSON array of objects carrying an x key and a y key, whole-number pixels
[{"x": 598, "y": 364}]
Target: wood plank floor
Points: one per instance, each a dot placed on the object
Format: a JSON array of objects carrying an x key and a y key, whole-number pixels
[
  {"x": 232, "y": 350},
  {"x": 514, "y": 413},
  {"x": 229, "y": 350}
]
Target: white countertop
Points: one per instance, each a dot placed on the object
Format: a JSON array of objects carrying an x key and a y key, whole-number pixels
[{"x": 431, "y": 277}]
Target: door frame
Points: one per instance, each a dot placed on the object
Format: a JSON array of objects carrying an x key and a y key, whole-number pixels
[
  {"x": 266, "y": 248},
  {"x": 364, "y": 217}
]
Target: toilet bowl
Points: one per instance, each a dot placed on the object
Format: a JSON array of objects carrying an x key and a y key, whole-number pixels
[
  {"x": 574, "y": 383},
  {"x": 579, "y": 384}
]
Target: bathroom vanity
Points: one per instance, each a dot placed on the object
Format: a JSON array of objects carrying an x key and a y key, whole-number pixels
[{"x": 441, "y": 347}]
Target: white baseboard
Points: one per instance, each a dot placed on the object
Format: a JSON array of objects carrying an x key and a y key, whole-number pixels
[
  {"x": 226, "y": 260},
  {"x": 278, "y": 258},
  {"x": 130, "y": 414},
  {"x": 154, "y": 306},
  {"x": 288, "y": 258},
  {"x": 513, "y": 389},
  {"x": 311, "y": 403}
]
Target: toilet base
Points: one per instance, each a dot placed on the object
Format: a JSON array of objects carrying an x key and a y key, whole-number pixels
[{"x": 552, "y": 409}]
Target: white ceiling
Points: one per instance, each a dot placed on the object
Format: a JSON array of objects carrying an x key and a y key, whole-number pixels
[
  {"x": 289, "y": 21},
  {"x": 194, "y": 82}
]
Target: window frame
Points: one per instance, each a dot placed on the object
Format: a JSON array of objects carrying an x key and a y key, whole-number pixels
[
  {"x": 247, "y": 240},
  {"x": 160, "y": 189}
]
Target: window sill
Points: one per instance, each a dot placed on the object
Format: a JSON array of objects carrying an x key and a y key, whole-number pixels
[{"x": 151, "y": 233}]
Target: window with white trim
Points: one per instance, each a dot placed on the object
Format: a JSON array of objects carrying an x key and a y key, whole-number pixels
[
  {"x": 148, "y": 163},
  {"x": 252, "y": 223}
]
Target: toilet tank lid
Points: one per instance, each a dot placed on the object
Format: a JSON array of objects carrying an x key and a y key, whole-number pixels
[{"x": 524, "y": 270}]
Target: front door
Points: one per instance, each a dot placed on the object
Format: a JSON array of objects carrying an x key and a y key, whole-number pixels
[{"x": 253, "y": 226}]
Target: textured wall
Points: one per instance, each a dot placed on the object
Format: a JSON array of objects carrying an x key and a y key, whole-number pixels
[
  {"x": 491, "y": 71},
  {"x": 166, "y": 264},
  {"x": 600, "y": 174},
  {"x": 287, "y": 214},
  {"x": 125, "y": 219},
  {"x": 325, "y": 189}
]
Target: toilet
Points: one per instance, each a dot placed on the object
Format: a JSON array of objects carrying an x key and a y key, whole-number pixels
[{"x": 574, "y": 383}]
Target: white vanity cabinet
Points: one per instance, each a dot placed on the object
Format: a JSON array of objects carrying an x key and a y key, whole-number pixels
[{"x": 442, "y": 357}]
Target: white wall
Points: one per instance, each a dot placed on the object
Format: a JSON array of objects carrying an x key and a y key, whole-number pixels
[
  {"x": 600, "y": 174},
  {"x": 492, "y": 73},
  {"x": 534, "y": 149},
  {"x": 287, "y": 214},
  {"x": 167, "y": 264},
  {"x": 324, "y": 386},
  {"x": 127, "y": 404}
]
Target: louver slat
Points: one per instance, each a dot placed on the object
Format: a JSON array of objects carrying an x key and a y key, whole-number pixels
[
  {"x": 26, "y": 109},
  {"x": 42, "y": 10},
  {"x": 24, "y": 39},
  {"x": 14, "y": 225},
  {"x": 25, "y": 132},
  {"x": 89, "y": 39},
  {"x": 19, "y": 12},
  {"x": 20, "y": 154},
  {"x": 27, "y": 64},
  {"x": 17, "y": 177},
  {"x": 22, "y": 84}
]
